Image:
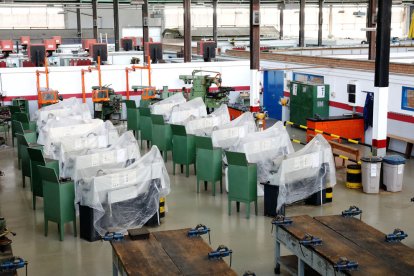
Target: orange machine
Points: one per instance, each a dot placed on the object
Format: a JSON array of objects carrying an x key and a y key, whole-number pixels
[
  {"x": 50, "y": 45},
  {"x": 351, "y": 127},
  {"x": 45, "y": 96},
  {"x": 148, "y": 93},
  {"x": 133, "y": 69},
  {"x": 86, "y": 43},
  {"x": 99, "y": 94}
]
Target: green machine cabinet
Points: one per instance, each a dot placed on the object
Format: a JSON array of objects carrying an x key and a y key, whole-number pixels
[
  {"x": 132, "y": 117},
  {"x": 308, "y": 100},
  {"x": 30, "y": 136},
  {"x": 24, "y": 155},
  {"x": 22, "y": 103},
  {"x": 145, "y": 126},
  {"x": 161, "y": 135},
  {"x": 13, "y": 111},
  {"x": 209, "y": 163},
  {"x": 183, "y": 148},
  {"x": 58, "y": 200},
  {"x": 24, "y": 119},
  {"x": 37, "y": 159},
  {"x": 242, "y": 177}
]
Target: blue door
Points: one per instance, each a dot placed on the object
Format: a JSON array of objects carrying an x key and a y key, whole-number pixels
[{"x": 272, "y": 92}]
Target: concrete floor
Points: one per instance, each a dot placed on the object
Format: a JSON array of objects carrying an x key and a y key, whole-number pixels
[{"x": 250, "y": 239}]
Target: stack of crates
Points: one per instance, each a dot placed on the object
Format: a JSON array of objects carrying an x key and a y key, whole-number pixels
[{"x": 308, "y": 100}]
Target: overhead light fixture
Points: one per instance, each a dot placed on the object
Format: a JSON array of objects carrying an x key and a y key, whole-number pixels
[
  {"x": 341, "y": 11},
  {"x": 359, "y": 13}
]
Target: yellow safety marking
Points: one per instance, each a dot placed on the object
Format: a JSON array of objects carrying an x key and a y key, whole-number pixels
[
  {"x": 162, "y": 199},
  {"x": 343, "y": 157},
  {"x": 352, "y": 185},
  {"x": 353, "y": 171},
  {"x": 162, "y": 209},
  {"x": 318, "y": 131},
  {"x": 289, "y": 123},
  {"x": 359, "y": 162},
  {"x": 302, "y": 126},
  {"x": 353, "y": 141},
  {"x": 296, "y": 141},
  {"x": 329, "y": 195},
  {"x": 335, "y": 136}
]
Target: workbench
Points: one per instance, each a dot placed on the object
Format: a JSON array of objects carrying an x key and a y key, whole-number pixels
[
  {"x": 351, "y": 127},
  {"x": 166, "y": 253},
  {"x": 341, "y": 237}
]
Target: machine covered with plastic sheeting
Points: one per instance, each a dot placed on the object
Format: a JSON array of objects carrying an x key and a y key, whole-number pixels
[
  {"x": 56, "y": 129},
  {"x": 165, "y": 106},
  {"x": 120, "y": 154},
  {"x": 72, "y": 107},
  {"x": 181, "y": 113},
  {"x": 125, "y": 198},
  {"x": 263, "y": 147},
  {"x": 305, "y": 172},
  {"x": 67, "y": 148},
  {"x": 229, "y": 134},
  {"x": 204, "y": 126}
]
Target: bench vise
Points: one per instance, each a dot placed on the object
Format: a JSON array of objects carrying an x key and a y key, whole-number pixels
[
  {"x": 352, "y": 212},
  {"x": 281, "y": 220},
  {"x": 310, "y": 240},
  {"x": 345, "y": 265},
  {"x": 113, "y": 236},
  {"x": 13, "y": 264},
  {"x": 396, "y": 236},
  {"x": 221, "y": 252},
  {"x": 199, "y": 230}
]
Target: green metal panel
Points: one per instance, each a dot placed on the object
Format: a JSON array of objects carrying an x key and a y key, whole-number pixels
[
  {"x": 23, "y": 104},
  {"x": 145, "y": 125},
  {"x": 37, "y": 159},
  {"x": 161, "y": 134},
  {"x": 307, "y": 100},
  {"x": 58, "y": 200},
  {"x": 184, "y": 150}
]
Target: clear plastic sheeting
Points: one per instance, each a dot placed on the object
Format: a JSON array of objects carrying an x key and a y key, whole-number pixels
[
  {"x": 69, "y": 147},
  {"x": 72, "y": 107},
  {"x": 56, "y": 129},
  {"x": 121, "y": 154},
  {"x": 305, "y": 172},
  {"x": 165, "y": 106},
  {"x": 229, "y": 134},
  {"x": 204, "y": 126},
  {"x": 125, "y": 198},
  {"x": 190, "y": 110},
  {"x": 263, "y": 147}
]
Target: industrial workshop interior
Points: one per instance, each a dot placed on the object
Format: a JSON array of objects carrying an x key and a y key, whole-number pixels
[{"x": 206, "y": 137}]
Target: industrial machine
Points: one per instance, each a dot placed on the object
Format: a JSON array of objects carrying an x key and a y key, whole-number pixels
[
  {"x": 206, "y": 49},
  {"x": 201, "y": 85},
  {"x": 24, "y": 41},
  {"x": 4, "y": 241},
  {"x": 154, "y": 50},
  {"x": 36, "y": 54},
  {"x": 6, "y": 47},
  {"x": 106, "y": 103},
  {"x": 87, "y": 42},
  {"x": 45, "y": 95},
  {"x": 50, "y": 46},
  {"x": 127, "y": 43},
  {"x": 99, "y": 50}
]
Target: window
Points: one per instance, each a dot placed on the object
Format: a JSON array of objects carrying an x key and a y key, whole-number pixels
[
  {"x": 308, "y": 78},
  {"x": 407, "y": 101}
]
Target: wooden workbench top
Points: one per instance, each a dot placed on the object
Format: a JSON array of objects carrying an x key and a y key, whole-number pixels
[
  {"x": 357, "y": 241},
  {"x": 168, "y": 253}
]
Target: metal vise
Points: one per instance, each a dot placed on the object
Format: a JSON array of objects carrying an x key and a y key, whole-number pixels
[
  {"x": 113, "y": 236},
  {"x": 396, "y": 236},
  {"x": 310, "y": 240},
  {"x": 345, "y": 265},
  {"x": 221, "y": 252},
  {"x": 13, "y": 264},
  {"x": 352, "y": 212},
  {"x": 199, "y": 230}
]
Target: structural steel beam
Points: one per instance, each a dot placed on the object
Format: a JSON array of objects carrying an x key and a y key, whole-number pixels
[
  {"x": 371, "y": 35},
  {"x": 145, "y": 28},
  {"x": 187, "y": 31},
  {"x": 320, "y": 22},
  {"x": 302, "y": 23},
  {"x": 95, "y": 18},
  {"x": 116, "y": 24}
]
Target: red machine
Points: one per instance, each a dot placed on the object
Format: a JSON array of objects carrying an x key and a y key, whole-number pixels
[
  {"x": 57, "y": 39},
  {"x": 6, "y": 46},
  {"x": 50, "y": 45},
  {"x": 25, "y": 40},
  {"x": 87, "y": 42},
  {"x": 206, "y": 49},
  {"x": 154, "y": 50},
  {"x": 141, "y": 42}
]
